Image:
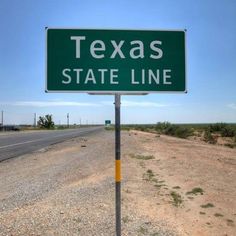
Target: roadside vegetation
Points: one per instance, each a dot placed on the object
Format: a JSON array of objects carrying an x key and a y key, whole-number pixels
[
  {"x": 208, "y": 205},
  {"x": 195, "y": 191},
  {"x": 142, "y": 157},
  {"x": 42, "y": 124},
  {"x": 46, "y": 122},
  {"x": 217, "y": 133},
  {"x": 177, "y": 200},
  {"x": 179, "y": 131}
]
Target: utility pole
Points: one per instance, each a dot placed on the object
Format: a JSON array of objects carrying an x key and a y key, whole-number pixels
[
  {"x": 2, "y": 120},
  {"x": 35, "y": 120},
  {"x": 68, "y": 120}
]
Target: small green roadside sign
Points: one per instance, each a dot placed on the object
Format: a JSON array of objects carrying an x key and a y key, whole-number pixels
[
  {"x": 115, "y": 61},
  {"x": 107, "y": 122}
]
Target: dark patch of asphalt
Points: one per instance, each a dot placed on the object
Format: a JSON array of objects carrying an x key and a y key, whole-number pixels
[{"x": 20, "y": 143}]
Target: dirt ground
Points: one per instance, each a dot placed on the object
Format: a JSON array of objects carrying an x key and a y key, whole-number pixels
[{"x": 170, "y": 186}]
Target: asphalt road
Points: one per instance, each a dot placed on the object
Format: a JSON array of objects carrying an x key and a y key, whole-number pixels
[{"x": 19, "y": 143}]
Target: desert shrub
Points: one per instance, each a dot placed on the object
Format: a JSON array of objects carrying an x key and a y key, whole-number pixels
[
  {"x": 177, "y": 199},
  {"x": 174, "y": 130},
  {"x": 161, "y": 126},
  {"x": 230, "y": 145},
  {"x": 225, "y": 130},
  {"x": 195, "y": 191},
  {"x": 217, "y": 127},
  {"x": 171, "y": 130},
  {"x": 140, "y": 127},
  {"x": 208, "y": 205},
  {"x": 165, "y": 128},
  {"x": 228, "y": 131},
  {"x": 125, "y": 127},
  {"x": 208, "y": 137},
  {"x": 183, "y": 132}
]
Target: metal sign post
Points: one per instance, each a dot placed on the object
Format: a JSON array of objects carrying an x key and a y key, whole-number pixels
[{"x": 117, "y": 165}]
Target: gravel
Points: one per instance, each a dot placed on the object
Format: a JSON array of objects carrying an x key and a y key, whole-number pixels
[{"x": 68, "y": 189}]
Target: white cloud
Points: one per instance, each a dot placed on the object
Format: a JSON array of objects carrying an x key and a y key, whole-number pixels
[
  {"x": 52, "y": 104},
  {"x": 127, "y": 103},
  {"x": 58, "y": 103},
  {"x": 232, "y": 105}
]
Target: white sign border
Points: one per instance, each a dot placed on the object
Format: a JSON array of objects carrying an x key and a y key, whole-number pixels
[{"x": 116, "y": 92}]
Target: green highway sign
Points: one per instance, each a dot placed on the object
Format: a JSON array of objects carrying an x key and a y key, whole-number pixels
[
  {"x": 107, "y": 122},
  {"x": 115, "y": 61}
]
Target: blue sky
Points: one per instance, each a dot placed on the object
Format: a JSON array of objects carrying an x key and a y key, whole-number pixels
[{"x": 211, "y": 60}]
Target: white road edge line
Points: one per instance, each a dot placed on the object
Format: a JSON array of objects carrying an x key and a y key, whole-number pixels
[
  {"x": 32, "y": 141},
  {"x": 15, "y": 144}
]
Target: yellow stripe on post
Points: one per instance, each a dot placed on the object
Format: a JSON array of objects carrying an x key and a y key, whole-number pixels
[{"x": 118, "y": 171}]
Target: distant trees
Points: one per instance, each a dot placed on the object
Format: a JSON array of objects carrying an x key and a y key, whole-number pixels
[{"x": 46, "y": 122}]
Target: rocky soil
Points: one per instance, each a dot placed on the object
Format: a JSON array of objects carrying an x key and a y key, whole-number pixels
[{"x": 170, "y": 186}]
